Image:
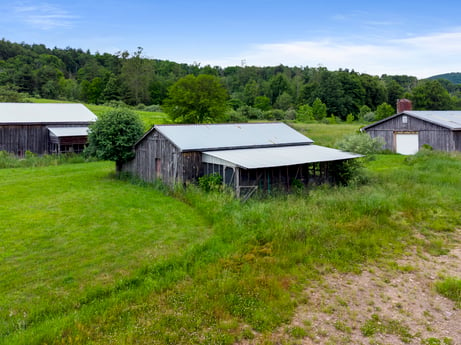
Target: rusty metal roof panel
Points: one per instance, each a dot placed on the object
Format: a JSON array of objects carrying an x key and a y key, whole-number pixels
[
  {"x": 34, "y": 113},
  {"x": 276, "y": 156},
  {"x": 231, "y": 136}
]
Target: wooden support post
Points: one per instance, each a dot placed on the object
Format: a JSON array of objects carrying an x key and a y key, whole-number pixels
[{"x": 237, "y": 181}]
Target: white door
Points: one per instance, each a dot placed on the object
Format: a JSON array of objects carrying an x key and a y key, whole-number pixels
[{"x": 406, "y": 143}]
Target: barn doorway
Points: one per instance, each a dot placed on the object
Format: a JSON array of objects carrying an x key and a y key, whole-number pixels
[
  {"x": 158, "y": 168},
  {"x": 406, "y": 143}
]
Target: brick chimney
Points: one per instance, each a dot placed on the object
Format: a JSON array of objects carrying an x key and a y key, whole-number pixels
[{"x": 403, "y": 105}]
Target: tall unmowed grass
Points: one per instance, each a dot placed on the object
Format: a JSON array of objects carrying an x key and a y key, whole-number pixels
[
  {"x": 246, "y": 274},
  {"x": 9, "y": 160}
]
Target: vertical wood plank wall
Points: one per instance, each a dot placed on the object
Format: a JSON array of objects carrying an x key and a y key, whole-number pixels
[
  {"x": 157, "y": 158},
  {"x": 440, "y": 138},
  {"x": 35, "y": 138},
  {"x": 18, "y": 139}
]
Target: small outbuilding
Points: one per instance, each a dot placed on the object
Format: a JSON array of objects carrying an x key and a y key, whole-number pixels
[
  {"x": 407, "y": 131},
  {"x": 247, "y": 156},
  {"x": 44, "y": 128}
]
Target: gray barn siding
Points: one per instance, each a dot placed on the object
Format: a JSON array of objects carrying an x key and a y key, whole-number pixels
[
  {"x": 191, "y": 165},
  {"x": 457, "y": 140},
  {"x": 438, "y": 137},
  {"x": 157, "y": 158},
  {"x": 18, "y": 139}
]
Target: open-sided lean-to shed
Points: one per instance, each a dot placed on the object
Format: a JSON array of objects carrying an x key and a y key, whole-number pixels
[
  {"x": 247, "y": 156},
  {"x": 44, "y": 128},
  {"x": 407, "y": 131}
]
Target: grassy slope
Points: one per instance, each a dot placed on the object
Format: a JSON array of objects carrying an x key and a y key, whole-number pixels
[
  {"x": 324, "y": 134},
  {"x": 149, "y": 118},
  {"x": 71, "y": 231},
  {"x": 240, "y": 276}
]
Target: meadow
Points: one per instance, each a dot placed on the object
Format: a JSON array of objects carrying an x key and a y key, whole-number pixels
[
  {"x": 149, "y": 118},
  {"x": 89, "y": 258}
]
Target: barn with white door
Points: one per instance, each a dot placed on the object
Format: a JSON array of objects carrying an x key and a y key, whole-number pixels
[{"x": 408, "y": 131}]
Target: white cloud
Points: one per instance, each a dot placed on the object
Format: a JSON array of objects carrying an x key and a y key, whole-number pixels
[
  {"x": 447, "y": 42},
  {"x": 420, "y": 56},
  {"x": 44, "y": 16}
]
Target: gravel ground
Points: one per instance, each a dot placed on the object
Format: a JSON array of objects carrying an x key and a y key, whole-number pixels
[{"x": 391, "y": 303}]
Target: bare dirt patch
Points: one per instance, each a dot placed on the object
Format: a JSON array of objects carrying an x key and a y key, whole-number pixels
[{"x": 389, "y": 303}]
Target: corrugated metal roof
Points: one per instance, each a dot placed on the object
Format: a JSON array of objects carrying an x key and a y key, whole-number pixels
[
  {"x": 68, "y": 131},
  {"x": 446, "y": 118},
  {"x": 23, "y": 113},
  {"x": 222, "y": 136},
  {"x": 276, "y": 156}
]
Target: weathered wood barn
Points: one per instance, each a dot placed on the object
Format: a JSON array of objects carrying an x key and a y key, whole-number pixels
[
  {"x": 407, "y": 131},
  {"x": 44, "y": 128},
  {"x": 247, "y": 156}
]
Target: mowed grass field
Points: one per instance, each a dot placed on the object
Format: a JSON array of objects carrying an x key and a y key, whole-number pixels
[
  {"x": 149, "y": 118},
  {"x": 70, "y": 232},
  {"x": 325, "y": 134},
  {"x": 89, "y": 259}
]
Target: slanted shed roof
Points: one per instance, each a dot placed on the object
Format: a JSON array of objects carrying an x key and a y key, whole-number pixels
[
  {"x": 450, "y": 119},
  {"x": 231, "y": 136},
  {"x": 61, "y": 132},
  {"x": 34, "y": 113},
  {"x": 276, "y": 156}
]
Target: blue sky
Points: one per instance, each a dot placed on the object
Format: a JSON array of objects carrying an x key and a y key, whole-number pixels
[{"x": 419, "y": 38}]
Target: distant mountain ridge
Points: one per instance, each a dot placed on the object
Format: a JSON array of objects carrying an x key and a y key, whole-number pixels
[{"x": 454, "y": 77}]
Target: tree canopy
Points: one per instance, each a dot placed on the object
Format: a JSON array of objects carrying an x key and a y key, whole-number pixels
[
  {"x": 262, "y": 92},
  {"x": 384, "y": 110},
  {"x": 113, "y": 135},
  {"x": 430, "y": 95},
  {"x": 201, "y": 99}
]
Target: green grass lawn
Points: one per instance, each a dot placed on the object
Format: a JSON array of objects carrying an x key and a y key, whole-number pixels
[
  {"x": 68, "y": 231},
  {"x": 326, "y": 134},
  {"x": 86, "y": 258},
  {"x": 149, "y": 118}
]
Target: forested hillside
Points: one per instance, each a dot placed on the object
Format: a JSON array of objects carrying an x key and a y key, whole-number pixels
[
  {"x": 276, "y": 92},
  {"x": 454, "y": 77}
]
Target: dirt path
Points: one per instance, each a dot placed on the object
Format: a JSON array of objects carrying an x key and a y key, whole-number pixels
[{"x": 395, "y": 303}]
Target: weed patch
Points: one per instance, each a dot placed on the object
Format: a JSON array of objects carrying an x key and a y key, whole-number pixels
[
  {"x": 377, "y": 325},
  {"x": 451, "y": 288},
  {"x": 9, "y": 160},
  {"x": 436, "y": 341}
]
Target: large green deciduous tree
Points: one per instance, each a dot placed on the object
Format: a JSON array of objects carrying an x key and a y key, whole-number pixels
[
  {"x": 113, "y": 135},
  {"x": 201, "y": 99},
  {"x": 384, "y": 110},
  {"x": 430, "y": 95},
  {"x": 319, "y": 109}
]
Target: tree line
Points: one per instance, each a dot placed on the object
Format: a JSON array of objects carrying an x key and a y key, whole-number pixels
[{"x": 275, "y": 92}]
